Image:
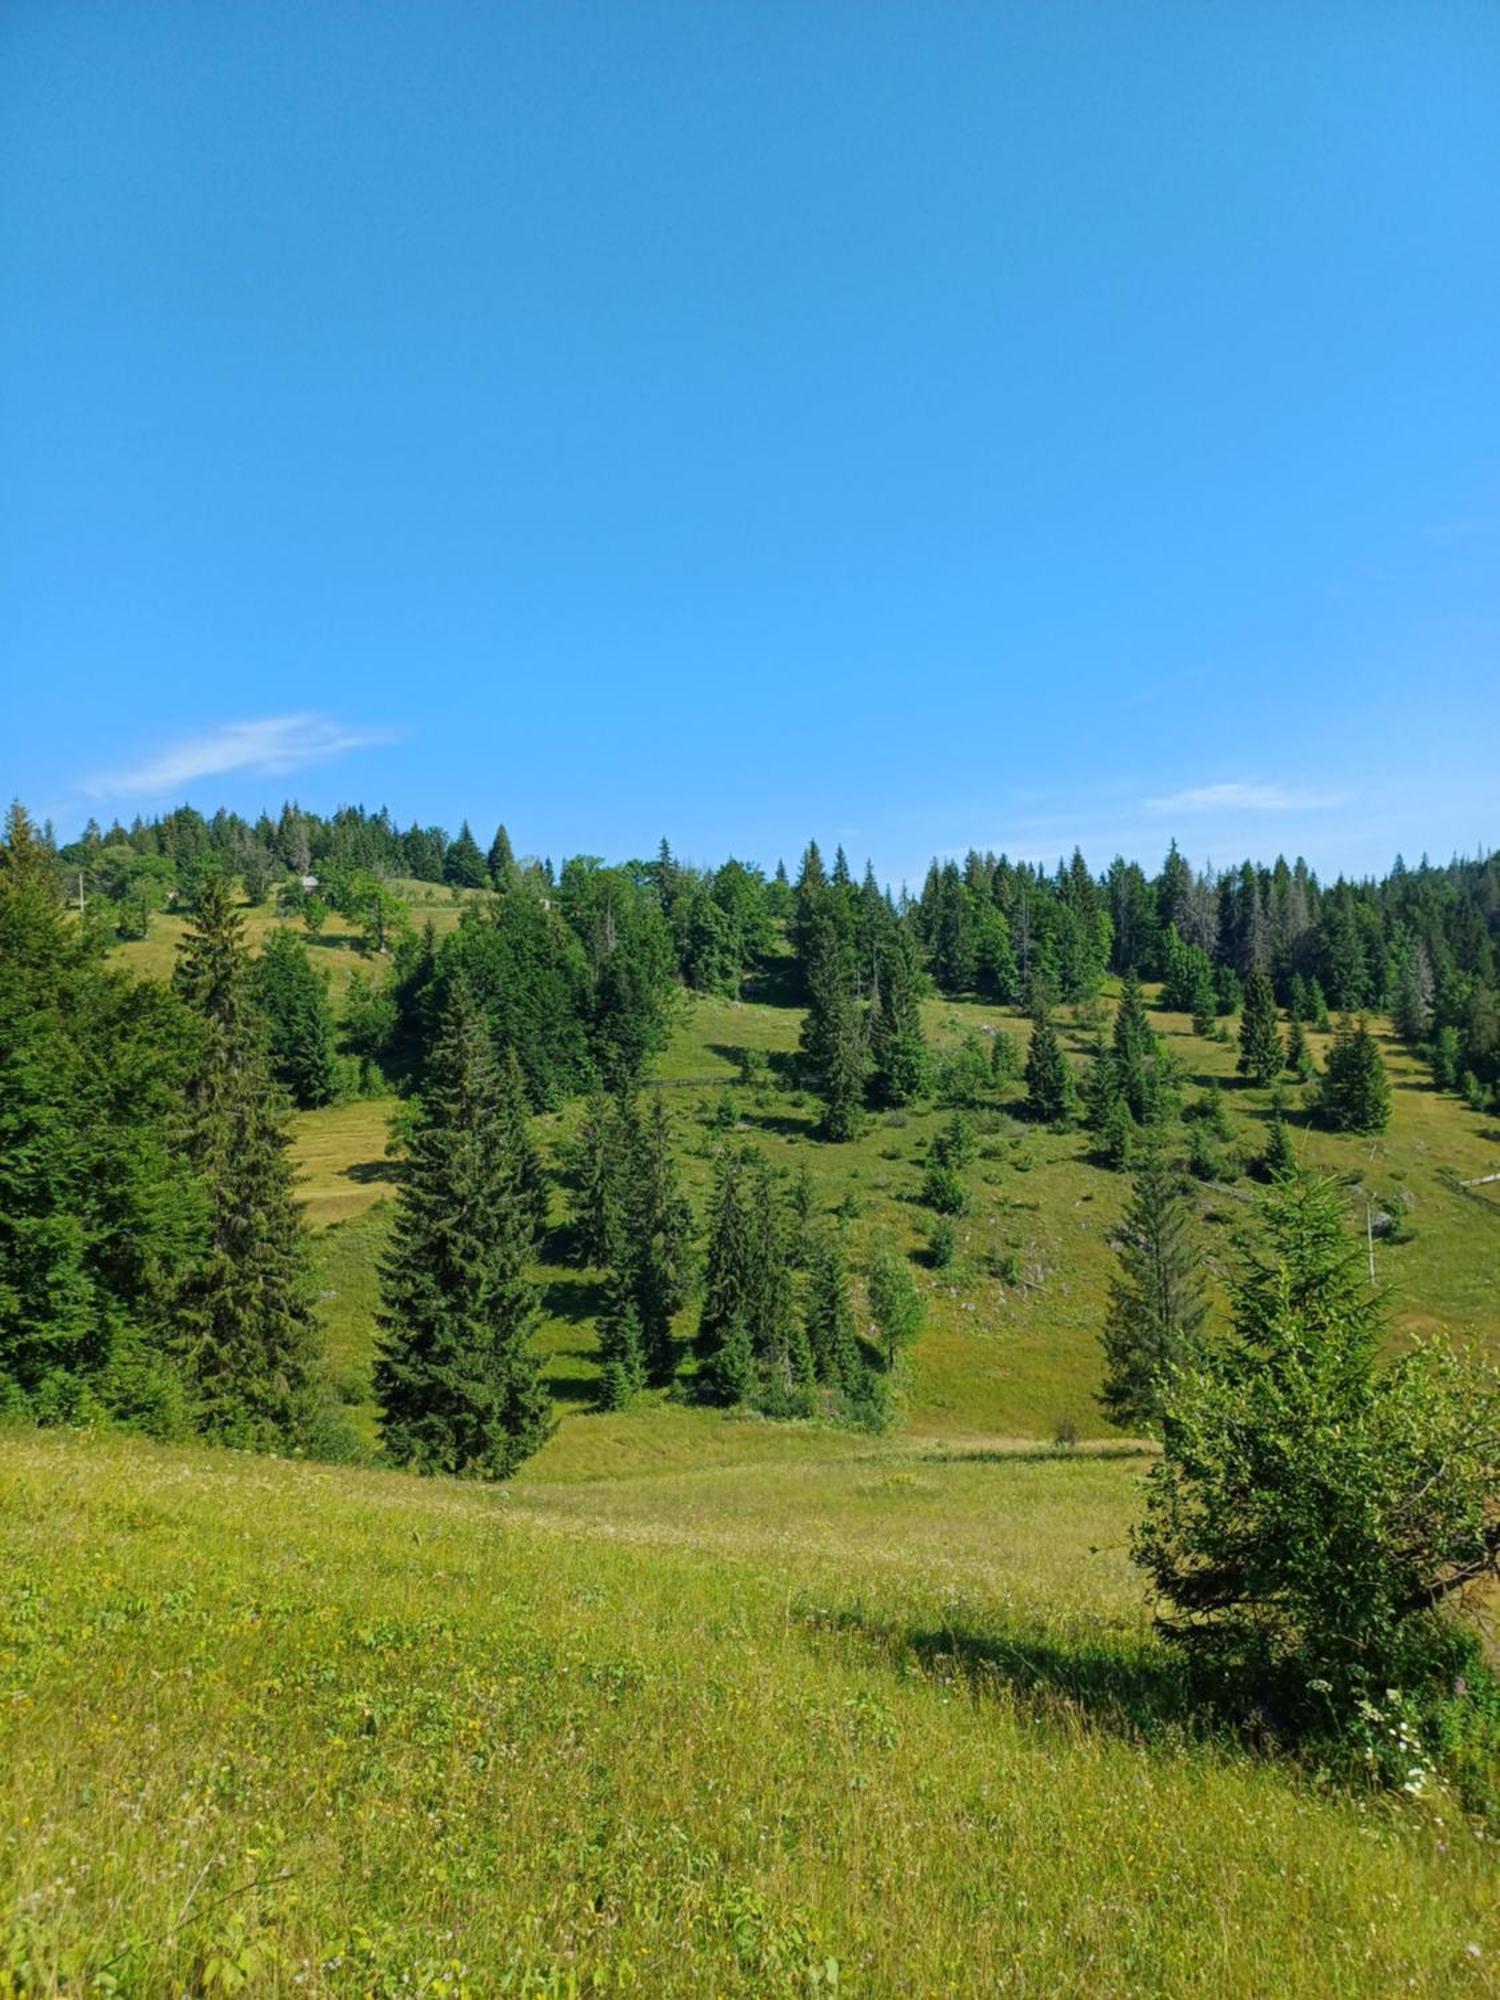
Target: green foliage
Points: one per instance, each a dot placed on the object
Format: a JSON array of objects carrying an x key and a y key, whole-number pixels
[
  {"x": 896, "y": 1305},
  {"x": 600, "y": 1168},
  {"x": 751, "y": 1340},
  {"x": 942, "y": 1244},
  {"x": 244, "y": 1322},
  {"x": 899, "y": 1059},
  {"x": 622, "y": 1348},
  {"x": 1005, "y": 1059},
  {"x": 829, "y": 1320},
  {"x": 1261, "y": 1056},
  {"x": 529, "y": 976},
  {"x": 1206, "y": 1161},
  {"x": 1311, "y": 1508},
  {"x": 1446, "y": 1056},
  {"x": 299, "y": 1026},
  {"x": 463, "y": 864},
  {"x": 457, "y": 1383},
  {"x": 832, "y": 1041},
  {"x": 943, "y": 1189},
  {"x": 964, "y": 1073},
  {"x": 1299, "y": 1056},
  {"x": 1355, "y": 1095},
  {"x": 1049, "y": 1077},
  {"x": 1156, "y": 1301},
  {"x": 956, "y": 1145},
  {"x": 1209, "y": 1110},
  {"x": 654, "y": 1257},
  {"x": 1278, "y": 1157},
  {"x": 100, "y": 1213},
  {"x": 1188, "y": 986}
]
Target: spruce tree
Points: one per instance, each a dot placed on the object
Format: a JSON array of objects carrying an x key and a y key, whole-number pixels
[
  {"x": 899, "y": 1062},
  {"x": 463, "y": 864},
  {"x": 1049, "y": 1077},
  {"x": 1156, "y": 1304},
  {"x": 829, "y": 1319},
  {"x": 832, "y": 1041},
  {"x": 458, "y": 1386},
  {"x": 1299, "y": 1057},
  {"x": 1261, "y": 1055},
  {"x": 599, "y": 1192},
  {"x": 500, "y": 862},
  {"x": 299, "y": 1026},
  {"x": 1278, "y": 1158},
  {"x": 100, "y": 1213},
  {"x": 1355, "y": 1095},
  {"x": 622, "y": 1347},
  {"x": 246, "y": 1328},
  {"x": 750, "y": 1340},
  {"x": 660, "y": 1255}
]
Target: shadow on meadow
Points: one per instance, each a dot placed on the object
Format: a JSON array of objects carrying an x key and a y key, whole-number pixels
[{"x": 1126, "y": 1687}]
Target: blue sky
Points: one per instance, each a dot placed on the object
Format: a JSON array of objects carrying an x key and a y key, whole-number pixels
[{"x": 915, "y": 425}]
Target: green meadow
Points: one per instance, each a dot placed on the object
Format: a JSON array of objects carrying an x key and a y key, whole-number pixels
[{"x": 702, "y": 1704}]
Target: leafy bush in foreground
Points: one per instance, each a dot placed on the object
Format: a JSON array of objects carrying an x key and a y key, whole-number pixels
[{"x": 1313, "y": 1510}]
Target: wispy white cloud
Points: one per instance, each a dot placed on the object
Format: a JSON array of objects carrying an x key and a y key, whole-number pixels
[
  {"x": 270, "y": 747},
  {"x": 1245, "y": 798}
]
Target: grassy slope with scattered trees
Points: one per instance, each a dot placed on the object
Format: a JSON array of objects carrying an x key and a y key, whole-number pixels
[
  {"x": 702, "y": 1702},
  {"x": 996, "y": 1357}
]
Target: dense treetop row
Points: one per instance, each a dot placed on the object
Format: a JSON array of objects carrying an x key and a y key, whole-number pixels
[{"x": 591, "y": 950}]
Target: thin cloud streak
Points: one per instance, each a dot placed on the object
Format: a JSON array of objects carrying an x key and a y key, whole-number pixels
[
  {"x": 270, "y": 747},
  {"x": 1245, "y": 798}
]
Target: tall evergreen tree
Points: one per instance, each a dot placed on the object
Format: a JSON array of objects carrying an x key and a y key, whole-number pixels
[
  {"x": 1049, "y": 1078},
  {"x": 458, "y": 1386},
  {"x": 500, "y": 862},
  {"x": 246, "y": 1327},
  {"x": 463, "y": 864},
  {"x": 622, "y": 1347},
  {"x": 1156, "y": 1300},
  {"x": 1355, "y": 1095},
  {"x": 299, "y": 1026},
  {"x": 600, "y": 1174},
  {"x": 829, "y": 1319},
  {"x": 661, "y": 1240},
  {"x": 100, "y": 1213},
  {"x": 899, "y": 1061},
  {"x": 1261, "y": 1055},
  {"x": 832, "y": 1040},
  {"x": 750, "y": 1338}
]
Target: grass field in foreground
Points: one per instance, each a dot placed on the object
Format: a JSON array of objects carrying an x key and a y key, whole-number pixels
[{"x": 870, "y": 1720}]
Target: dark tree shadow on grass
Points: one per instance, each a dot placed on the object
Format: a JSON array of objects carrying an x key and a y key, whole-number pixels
[
  {"x": 1125, "y": 1687},
  {"x": 573, "y": 1298},
  {"x": 575, "y": 1389}
]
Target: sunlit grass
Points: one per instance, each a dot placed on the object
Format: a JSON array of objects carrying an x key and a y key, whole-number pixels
[{"x": 871, "y": 1723}]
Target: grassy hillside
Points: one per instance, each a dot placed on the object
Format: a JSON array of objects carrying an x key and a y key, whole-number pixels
[
  {"x": 334, "y": 950},
  {"x": 702, "y": 1704},
  {"x": 1011, "y": 1343},
  {"x": 869, "y": 1720}
]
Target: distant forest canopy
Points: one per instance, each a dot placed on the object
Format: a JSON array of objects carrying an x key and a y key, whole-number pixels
[{"x": 985, "y": 924}]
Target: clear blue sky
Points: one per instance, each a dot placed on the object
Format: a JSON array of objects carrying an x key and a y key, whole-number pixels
[{"x": 916, "y": 425}]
